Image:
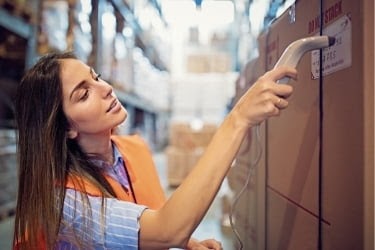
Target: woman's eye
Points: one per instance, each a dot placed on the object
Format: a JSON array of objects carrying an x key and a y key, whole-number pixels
[
  {"x": 97, "y": 78},
  {"x": 85, "y": 95}
]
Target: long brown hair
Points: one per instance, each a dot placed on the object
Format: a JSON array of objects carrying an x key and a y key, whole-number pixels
[{"x": 46, "y": 156}]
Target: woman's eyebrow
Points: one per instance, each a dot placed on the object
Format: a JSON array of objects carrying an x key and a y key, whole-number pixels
[{"x": 79, "y": 85}]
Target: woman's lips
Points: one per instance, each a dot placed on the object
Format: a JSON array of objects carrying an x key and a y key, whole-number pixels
[{"x": 114, "y": 106}]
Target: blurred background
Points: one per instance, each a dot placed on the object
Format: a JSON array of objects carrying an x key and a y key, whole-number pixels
[{"x": 179, "y": 66}]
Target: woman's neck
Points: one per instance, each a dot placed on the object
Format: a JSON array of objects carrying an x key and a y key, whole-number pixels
[{"x": 97, "y": 145}]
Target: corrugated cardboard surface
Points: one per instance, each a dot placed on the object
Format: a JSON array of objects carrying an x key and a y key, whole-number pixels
[
  {"x": 249, "y": 213},
  {"x": 368, "y": 72},
  {"x": 292, "y": 145},
  {"x": 180, "y": 162},
  {"x": 184, "y": 136},
  {"x": 347, "y": 153},
  {"x": 289, "y": 226},
  {"x": 208, "y": 62},
  {"x": 186, "y": 146}
]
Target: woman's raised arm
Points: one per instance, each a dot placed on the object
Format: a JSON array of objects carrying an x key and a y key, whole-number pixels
[{"x": 173, "y": 224}]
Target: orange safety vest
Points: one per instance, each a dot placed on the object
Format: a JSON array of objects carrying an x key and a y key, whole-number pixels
[
  {"x": 142, "y": 174},
  {"x": 143, "y": 177}
]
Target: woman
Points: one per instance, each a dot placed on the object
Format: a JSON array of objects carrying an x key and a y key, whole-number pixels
[{"x": 80, "y": 187}]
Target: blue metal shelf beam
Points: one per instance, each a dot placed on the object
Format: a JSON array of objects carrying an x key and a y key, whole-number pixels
[
  {"x": 272, "y": 11},
  {"x": 128, "y": 15},
  {"x": 15, "y": 24}
]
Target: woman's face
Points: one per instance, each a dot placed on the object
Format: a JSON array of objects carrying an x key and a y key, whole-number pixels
[{"x": 89, "y": 103}]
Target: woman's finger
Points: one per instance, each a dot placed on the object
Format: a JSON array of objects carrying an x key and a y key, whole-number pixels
[
  {"x": 281, "y": 72},
  {"x": 281, "y": 103},
  {"x": 212, "y": 244}
]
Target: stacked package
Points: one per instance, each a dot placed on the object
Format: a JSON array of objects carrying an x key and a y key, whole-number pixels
[{"x": 186, "y": 144}]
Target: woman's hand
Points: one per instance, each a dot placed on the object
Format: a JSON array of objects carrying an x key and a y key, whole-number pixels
[
  {"x": 204, "y": 245},
  {"x": 265, "y": 98}
]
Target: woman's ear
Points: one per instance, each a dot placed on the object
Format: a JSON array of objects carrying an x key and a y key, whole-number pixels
[{"x": 72, "y": 133}]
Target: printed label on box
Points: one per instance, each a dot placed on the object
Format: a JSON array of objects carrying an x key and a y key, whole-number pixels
[{"x": 339, "y": 55}]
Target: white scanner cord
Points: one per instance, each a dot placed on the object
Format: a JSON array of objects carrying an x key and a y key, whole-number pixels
[{"x": 249, "y": 174}]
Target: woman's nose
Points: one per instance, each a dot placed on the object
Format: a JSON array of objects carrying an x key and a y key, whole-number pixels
[{"x": 106, "y": 89}]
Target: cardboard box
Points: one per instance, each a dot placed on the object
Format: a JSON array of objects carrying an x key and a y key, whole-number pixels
[
  {"x": 186, "y": 145},
  {"x": 290, "y": 227},
  {"x": 184, "y": 136},
  {"x": 294, "y": 170},
  {"x": 252, "y": 70},
  {"x": 180, "y": 162},
  {"x": 244, "y": 207},
  {"x": 208, "y": 62},
  {"x": 249, "y": 213}
]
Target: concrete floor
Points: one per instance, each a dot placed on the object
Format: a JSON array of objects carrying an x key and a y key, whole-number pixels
[{"x": 209, "y": 228}]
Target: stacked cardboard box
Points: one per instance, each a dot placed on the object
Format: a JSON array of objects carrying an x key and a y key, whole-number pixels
[
  {"x": 248, "y": 212},
  {"x": 317, "y": 189},
  {"x": 201, "y": 96},
  {"x": 186, "y": 145},
  {"x": 304, "y": 201},
  {"x": 208, "y": 62}
]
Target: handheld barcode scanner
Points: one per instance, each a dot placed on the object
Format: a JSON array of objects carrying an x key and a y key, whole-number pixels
[{"x": 293, "y": 53}]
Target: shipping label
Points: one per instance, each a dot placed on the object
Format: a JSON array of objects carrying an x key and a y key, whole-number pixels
[{"x": 339, "y": 55}]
